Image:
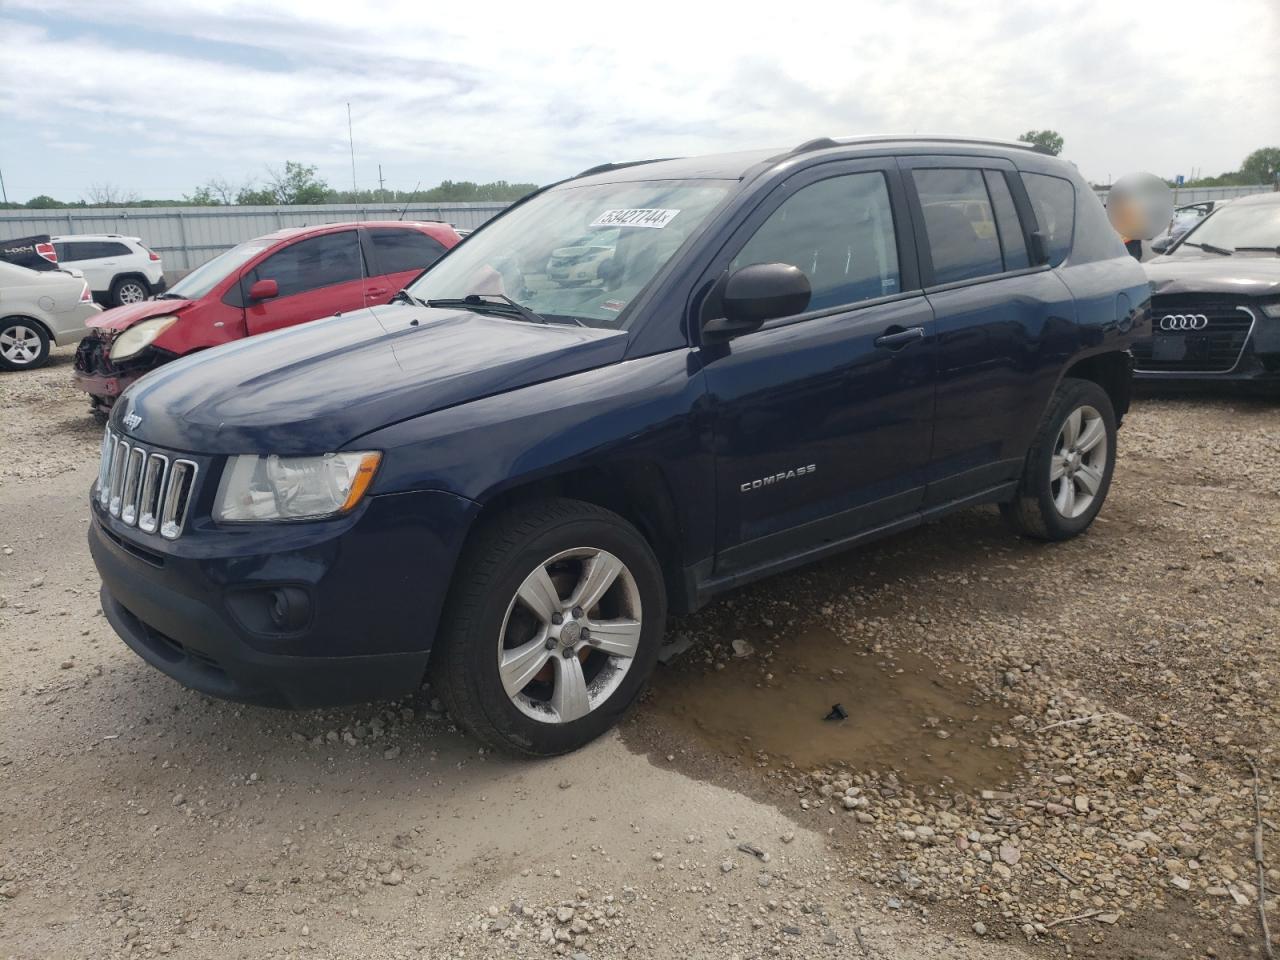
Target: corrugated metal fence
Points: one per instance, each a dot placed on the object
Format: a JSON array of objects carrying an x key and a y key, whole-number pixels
[
  {"x": 1184, "y": 195},
  {"x": 189, "y": 236}
]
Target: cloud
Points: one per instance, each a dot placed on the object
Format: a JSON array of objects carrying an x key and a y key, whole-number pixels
[{"x": 535, "y": 91}]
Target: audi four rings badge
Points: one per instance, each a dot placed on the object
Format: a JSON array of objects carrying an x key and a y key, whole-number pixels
[{"x": 1184, "y": 321}]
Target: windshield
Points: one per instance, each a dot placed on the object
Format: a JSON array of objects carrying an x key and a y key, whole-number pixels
[
  {"x": 577, "y": 254},
  {"x": 207, "y": 276},
  {"x": 1234, "y": 226}
]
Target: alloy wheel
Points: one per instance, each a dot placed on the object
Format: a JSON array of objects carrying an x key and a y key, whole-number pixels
[
  {"x": 131, "y": 292},
  {"x": 20, "y": 345},
  {"x": 570, "y": 635},
  {"x": 1079, "y": 462}
]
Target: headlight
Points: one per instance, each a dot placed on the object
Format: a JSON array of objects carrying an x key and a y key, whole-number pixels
[
  {"x": 1272, "y": 309},
  {"x": 139, "y": 336},
  {"x": 293, "y": 488}
]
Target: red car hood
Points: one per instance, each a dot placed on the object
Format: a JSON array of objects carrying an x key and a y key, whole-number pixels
[{"x": 122, "y": 318}]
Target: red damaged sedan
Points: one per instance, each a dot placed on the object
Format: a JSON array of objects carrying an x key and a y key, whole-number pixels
[{"x": 285, "y": 278}]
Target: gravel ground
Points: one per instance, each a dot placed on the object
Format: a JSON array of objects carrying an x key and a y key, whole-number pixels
[{"x": 1047, "y": 752}]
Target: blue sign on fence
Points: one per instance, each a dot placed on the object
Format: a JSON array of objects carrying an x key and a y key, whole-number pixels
[{"x": 1180, "y": 180}]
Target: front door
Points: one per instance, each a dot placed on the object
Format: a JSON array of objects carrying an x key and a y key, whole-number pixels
[
  {"x": 822, "y": 421},
  {"x": 317, "y": 277}
]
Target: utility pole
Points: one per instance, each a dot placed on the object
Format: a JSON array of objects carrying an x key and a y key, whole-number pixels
[
  {"x": 380, "y": 182},
  {"x": 3, "y": 191},
  {"x": 352, "y": 141}
]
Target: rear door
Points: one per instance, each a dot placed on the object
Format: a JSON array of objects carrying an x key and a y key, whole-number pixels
[
  {"x": 1002, "y": 323},
  {"x": 317, "y": 277},
  {"x": 397, "y": 255},
  {"x": 822, "y": 421},
  {"x": 105, "y": 259}
]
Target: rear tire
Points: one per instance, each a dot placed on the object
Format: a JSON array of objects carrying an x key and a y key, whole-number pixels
[
  {"x": 551, "y": 629},
  {"x": 24, "y": 344},
  {"x": 1069, "y": 467},
  {"x": 129, "y": 290}
]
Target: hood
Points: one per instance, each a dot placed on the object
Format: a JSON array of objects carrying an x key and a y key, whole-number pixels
[
  {"x": 315, "y": 387},
  {"x": 119, "y": 319},
  {"x": 1240, "y": 276}
]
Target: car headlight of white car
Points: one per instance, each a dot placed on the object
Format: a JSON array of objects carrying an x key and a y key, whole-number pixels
[
  {"x": 1272, "y": 310},
  {"x": 293, "y": 488},
  {"x": 139, "y": 336}
]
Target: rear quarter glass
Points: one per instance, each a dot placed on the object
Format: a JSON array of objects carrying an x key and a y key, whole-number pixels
[{"x": 1054, "y": 201}]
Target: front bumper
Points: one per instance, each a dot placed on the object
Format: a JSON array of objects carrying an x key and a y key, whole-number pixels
[
  {"x": 196, "y": 609},
  {"x": 96, "y": 375},
  {"x": 1254, "y": 371},
  {"x": 102, "y": 386}
]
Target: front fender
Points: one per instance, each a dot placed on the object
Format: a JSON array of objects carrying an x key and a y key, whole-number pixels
[{"x": 632, "y": 416}]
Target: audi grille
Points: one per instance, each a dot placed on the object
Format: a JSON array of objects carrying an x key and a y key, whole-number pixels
[{"x": 1195, "y": 334}]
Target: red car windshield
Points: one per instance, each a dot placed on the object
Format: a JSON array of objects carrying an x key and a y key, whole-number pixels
[{"x": 207, "y": 276}]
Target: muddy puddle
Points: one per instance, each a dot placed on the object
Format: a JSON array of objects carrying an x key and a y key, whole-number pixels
[{"x": 906, "y": 714}]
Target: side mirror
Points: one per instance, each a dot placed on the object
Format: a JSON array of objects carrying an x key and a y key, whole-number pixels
[
  {"x": 264, "y": 290},
  {"x": 754, "y": 294},
  {"x": 1161, "y": 245}
]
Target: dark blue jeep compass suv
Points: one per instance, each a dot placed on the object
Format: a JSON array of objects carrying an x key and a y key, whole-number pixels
[{"x": 507, "y": 480}]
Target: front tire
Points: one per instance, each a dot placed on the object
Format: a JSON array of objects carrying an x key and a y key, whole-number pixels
[
  {"x": 1069, "y": 467},
  {"x": 24, "y": 345},
  {"x": 129, "y": 290},
  {"x": 551, "y": 629}
]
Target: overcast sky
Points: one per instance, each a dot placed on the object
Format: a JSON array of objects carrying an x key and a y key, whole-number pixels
[{"x": 157, "y": 96}]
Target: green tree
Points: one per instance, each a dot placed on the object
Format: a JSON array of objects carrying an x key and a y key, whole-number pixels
[
  {"x": 42, "y": 202},
  {"x": 201, "y": 197},
  {"x": 1049, "y": 141},
  {"x": 1261, "y": 166},
  {"x": 250, "y": 197},
  {"x": 297, "y": 183}
]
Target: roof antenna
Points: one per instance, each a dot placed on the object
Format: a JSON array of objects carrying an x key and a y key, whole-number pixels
[{"x": 410, "y": 200}]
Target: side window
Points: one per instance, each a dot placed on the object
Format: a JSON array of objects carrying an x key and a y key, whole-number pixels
[
  {"x": 74, "y": 250},
  {"x": 115, "y": 249},
  {"x": 399, "y": 250},
  {"x": 310, "y": 264},
  {"x": 1012, "y": 243},
  {"x": 1054, "y": 201},
  {"x": 959, "y": 223},
  {"x": 840, "y": 233}
]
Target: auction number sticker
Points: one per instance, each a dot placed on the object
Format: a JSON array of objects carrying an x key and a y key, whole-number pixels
[{"x": 635, "y": 217}]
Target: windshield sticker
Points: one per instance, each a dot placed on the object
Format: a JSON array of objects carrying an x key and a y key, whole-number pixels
[
  {"x": 635, "y": 217},
  {"x": 614, "y": 305}
]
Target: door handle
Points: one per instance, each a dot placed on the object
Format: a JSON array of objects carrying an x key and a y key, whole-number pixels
[
  {"x": 895, "y": 338},
  {"x": 376, "y": 291}
]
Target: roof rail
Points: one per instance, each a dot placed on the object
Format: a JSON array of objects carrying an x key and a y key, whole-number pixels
[
  {"x": 824, "y": 143},
  {"x": 606, "y": 167}
]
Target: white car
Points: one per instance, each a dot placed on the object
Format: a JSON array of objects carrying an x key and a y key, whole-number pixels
[
  {"x": 119, "y": 269},
  {"x": 37, "y": 309}
]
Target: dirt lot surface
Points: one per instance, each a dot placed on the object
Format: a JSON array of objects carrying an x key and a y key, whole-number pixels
[{"x": 1046, "y": 752}]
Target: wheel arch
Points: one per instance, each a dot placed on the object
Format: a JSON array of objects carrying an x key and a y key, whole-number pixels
[
  {"x": 635, "y": 490},
  {"x": 28, "y": 318},
  {"x": 1112, "y": 371},
  {"x": 130, "y": 275}
]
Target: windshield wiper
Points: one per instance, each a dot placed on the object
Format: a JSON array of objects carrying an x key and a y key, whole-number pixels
[
  {"x": 1261, "y": 249},
  {"x": 1209, "y": 248},
  {"x": 404, "y": 296},
  {"x": 171, "y": 296},
  {"x": 478, "y": 303}
]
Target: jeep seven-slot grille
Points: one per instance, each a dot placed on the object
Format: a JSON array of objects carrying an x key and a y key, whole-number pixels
[
  {"x": 144, "y": 488},
  {"x": 1194, "y": 334}
]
